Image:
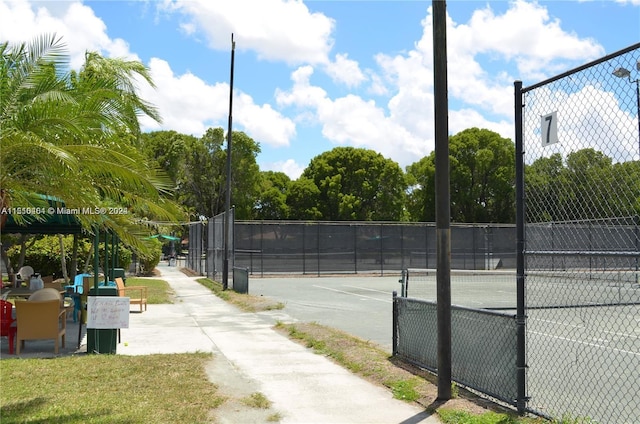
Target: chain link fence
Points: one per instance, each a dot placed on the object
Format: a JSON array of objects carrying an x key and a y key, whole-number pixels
[
  {"x": 206, "y": 247},
  {"x": 581, "y": 160},
  {"x": 366, "y": 247},
  {"x": 483, "y": 345}
]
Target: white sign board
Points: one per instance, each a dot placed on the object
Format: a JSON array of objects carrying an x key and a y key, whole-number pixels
[
  {"x": 107, "y": 312},
  {"x": 549, "y": 128}
]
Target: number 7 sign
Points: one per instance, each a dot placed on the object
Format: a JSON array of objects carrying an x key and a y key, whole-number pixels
[{"x": 549, "y": 128}]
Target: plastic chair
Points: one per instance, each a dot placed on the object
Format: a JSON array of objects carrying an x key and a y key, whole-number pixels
[
  {"x": 25, "y": 273},
  {"x": 77, "y": 286},
  {"x": 7, "y": 327},
  {"x": 47, "y": 293}
]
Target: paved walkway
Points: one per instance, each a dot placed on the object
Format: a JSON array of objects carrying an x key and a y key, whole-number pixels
[
  {"x": 249, "y": 357},
  {"x": 304, "y": 387}
]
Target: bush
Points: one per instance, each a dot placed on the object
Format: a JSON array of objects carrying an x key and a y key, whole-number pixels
[
  {"x": 151, "y": 260},
  {"x": 44, "y": 255}
]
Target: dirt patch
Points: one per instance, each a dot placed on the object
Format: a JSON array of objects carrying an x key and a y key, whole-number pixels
[
  {"x": 237, "y": 388},
  {"x": 189, "y": 273},
  {"x": 374, "y": 364}
]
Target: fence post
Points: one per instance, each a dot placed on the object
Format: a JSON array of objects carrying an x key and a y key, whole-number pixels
[
  {"x": 394, "y": 344},
  {"x": 521, "y": 319}
]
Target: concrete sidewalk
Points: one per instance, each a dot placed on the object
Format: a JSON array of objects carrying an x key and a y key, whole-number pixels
[{"x": 252, "y": 357}]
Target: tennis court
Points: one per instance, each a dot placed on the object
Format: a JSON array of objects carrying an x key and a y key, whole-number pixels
[{"x": 583, "y": 331}]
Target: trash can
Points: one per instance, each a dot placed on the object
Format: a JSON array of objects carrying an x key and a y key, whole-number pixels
[
  {"x": 115, "y": 273},
  {"x": 241, "y": 280},
  {"x": 102, "y": 340}
]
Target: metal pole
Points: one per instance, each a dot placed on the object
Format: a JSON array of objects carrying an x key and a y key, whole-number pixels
[
  {"x": 521, "y": 318},
  {"x": 638, "y": 112},
  {"x": 394, "y": 342},
  {"x": 443, "y": 211},
  {"x": 227, "y": 209},
  {"x": 96, "y": 259},
  {"x": 106, "y": 257}
]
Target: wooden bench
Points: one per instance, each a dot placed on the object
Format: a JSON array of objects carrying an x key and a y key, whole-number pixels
[{"x": 140, "y": 292}]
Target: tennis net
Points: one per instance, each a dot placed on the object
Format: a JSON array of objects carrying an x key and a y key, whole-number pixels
[{"x": 496, "y": 289}]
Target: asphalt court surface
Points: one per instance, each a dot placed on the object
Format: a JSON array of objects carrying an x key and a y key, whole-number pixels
[{"x": 362, "y": 305}]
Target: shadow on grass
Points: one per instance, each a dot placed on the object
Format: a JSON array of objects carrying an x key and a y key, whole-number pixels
[{"x": 28, "y": 410}]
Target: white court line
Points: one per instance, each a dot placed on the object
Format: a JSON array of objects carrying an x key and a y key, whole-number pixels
[
  {"x": 621, "y": 334},
  {"x": 587, "y": 343},
  {"x": 367, "y": 288},
  {"x": 353, "y": 294},
  {"x": 587, "y": 327}
]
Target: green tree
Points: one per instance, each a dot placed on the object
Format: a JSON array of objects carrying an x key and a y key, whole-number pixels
[
  {"x": 482, "y": 179},
  {"x": 203, "y": 184},
  {"x": 167, "y": 149},
  {"x": 586, "y": 186},
  {"x": 357, "y": 184},
  {"x": 421, "y": 198},
  {"x": 272, "y": 200},
  {"x": 302, "y": 200},
  {"x": 543, "y": 186},
  {"x": 71, "y": 135}
]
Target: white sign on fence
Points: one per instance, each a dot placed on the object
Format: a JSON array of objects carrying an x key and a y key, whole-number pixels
[
  {"x": 107, "y": 312},
  {"x": 549, "y": 128}
]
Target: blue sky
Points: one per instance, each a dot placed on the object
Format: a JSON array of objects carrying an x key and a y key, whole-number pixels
[{"x": 314, "y": 75}]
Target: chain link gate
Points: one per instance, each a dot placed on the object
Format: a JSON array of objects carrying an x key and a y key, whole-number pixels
[
  {"x": 579, "y": 158},
  {"x": 206, "y": 246}
]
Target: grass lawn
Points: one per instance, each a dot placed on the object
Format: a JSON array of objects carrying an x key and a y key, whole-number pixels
[
  {"x": 158, "y": 291},
  {"x": 108, "y": 389}
]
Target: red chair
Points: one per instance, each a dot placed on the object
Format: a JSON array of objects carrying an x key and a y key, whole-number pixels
[{"x": 6, "y": 328}]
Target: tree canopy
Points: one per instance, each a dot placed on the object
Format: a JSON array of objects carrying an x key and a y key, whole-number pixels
[
  {"x": 580, "y": 187},
  {"x": 198, "y": 169},
  {"x": 482, "y": 178},
  {"x": 71, "y": 135},
  {"x": 357, "y": 184}
]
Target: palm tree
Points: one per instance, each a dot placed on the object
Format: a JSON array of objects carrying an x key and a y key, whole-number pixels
[{"x": 71, "y": 135}]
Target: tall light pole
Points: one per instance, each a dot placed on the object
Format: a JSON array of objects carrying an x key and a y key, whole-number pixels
[
  {"x": 625, "y": 73},
  {"x": 227, "y": 203}
]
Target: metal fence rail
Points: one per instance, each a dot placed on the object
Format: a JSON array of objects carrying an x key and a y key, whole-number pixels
[{"x": 580, "y": 156}]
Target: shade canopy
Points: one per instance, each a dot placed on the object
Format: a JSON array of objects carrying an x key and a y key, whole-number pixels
[
  {"x": 54, "y": 219},
  {"x": 162, "y": 236}
]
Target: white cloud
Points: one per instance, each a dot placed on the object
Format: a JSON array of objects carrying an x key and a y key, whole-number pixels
[
  {"x": 77, "y": 24},
  {"x": 632, "y": 2},
  {"x": 275, "y": 29},
  {"x": 289, "y": 167},
  {"x": 462, "y": 119},
  {"x": 525, "y": 35},
  {"x": 263, "y": 123},
  {"x": 186, "y": 103},
  {"x": 524, "y": 42},
  {"x": 302, "y": 94},
  {"x": 590, "y": 117},
  {"x": 351, "y": 120},
  {"x": 189, "y": 105},
  {"x": 345, "y": 71}
]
